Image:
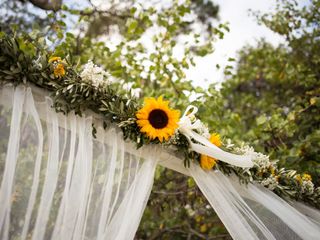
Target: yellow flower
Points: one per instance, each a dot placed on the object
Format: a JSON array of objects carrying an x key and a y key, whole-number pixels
[
  {"x": 272, "y": 170},
  {"x": 207, "y": 162},
  {"x": 215, "y": 139},
  {"x": 306, "y": 177},
  {"x": 298, "y": 178},
  {"x": 54, "y": 59},
  {"x": 157, "y": 120},
  {"x": 59, "y": 70}
]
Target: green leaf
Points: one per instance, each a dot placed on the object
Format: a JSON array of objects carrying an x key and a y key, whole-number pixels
[
  {"x": 261, "y": 120},
  {"x": 132, "y": 24}
]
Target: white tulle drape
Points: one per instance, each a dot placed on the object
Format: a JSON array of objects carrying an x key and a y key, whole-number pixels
[
  {"x": 254, "y": 212},
  {"x": 58, "y": 182}
]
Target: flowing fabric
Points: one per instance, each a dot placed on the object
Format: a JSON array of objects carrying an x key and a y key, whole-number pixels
[
  {"x": 254, "y": 212},
  {"x": 58, "y": 182}
]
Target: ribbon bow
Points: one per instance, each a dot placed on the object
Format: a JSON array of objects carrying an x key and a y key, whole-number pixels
[{"x": 187, "y": 126}]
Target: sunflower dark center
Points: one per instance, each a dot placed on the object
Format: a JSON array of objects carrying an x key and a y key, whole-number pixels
[{"x": 158, "y": 118}]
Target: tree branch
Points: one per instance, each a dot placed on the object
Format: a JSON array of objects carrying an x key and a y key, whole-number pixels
[{"x": 52, "y": 5}]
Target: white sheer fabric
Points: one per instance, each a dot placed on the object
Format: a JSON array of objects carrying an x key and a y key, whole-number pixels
[
  {"x": 58, "y": 182},
  {"x": 254, "y": 212}
]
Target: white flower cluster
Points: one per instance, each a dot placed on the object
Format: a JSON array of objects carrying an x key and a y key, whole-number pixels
[
  {"x": 94, "y": 74},
  {"x": 260, "y": 160},
  {"x": 307, "y": 187},
  {"x": 270, "y": 182}
]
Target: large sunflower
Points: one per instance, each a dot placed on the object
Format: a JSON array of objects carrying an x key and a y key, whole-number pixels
[{"x": 157, "y": 120}]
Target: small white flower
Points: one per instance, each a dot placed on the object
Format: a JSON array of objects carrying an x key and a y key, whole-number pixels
[
  {"x": 307, "y": 187},
  {"x": 260, "y": 160},
  {"x": 229, "y": 143},
  {"x": 270, "y": 182},
  {"x": 94, "y": 74}
]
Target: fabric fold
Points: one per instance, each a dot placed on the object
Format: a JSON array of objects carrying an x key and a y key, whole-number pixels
[
  {"x": 76, "y": 186},
  {"x": 253, "y": 212}
]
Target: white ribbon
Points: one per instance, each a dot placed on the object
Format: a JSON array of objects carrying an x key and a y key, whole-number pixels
[{"x": 186, "y": 127}]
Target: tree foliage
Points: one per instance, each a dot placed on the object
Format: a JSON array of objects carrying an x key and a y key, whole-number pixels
[{"x": 273, "y": 97}]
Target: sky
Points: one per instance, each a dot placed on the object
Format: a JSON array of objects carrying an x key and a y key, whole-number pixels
[{"x": 243, "y": 30}]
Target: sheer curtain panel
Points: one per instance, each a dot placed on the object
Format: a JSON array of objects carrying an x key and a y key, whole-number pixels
[
  {"x": 58, "y": 182},
  {"x": 253, "y": 211}
]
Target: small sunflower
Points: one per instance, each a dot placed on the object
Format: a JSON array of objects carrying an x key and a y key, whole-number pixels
[
  {"x": 207, "y": 162},
  {"x": 157, "y": 120},
  {"x": 59, "y": 71},
  {"x": 306, "y": 177}
]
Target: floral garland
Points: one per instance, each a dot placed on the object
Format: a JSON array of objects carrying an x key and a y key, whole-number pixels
[{"x": 153, "y": 123}]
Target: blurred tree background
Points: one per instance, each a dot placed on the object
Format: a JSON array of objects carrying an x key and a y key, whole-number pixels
[{"x": 271, "y": 100}]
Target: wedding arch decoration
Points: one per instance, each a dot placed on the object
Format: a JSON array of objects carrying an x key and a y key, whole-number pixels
[{"x": 78, "y": 159}]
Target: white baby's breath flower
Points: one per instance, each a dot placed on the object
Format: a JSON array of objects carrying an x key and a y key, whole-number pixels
[
  {"x": 307, "y": 187},
  {"x": 229, "y": 143},
  {"x": 270, "y": 182},
  {"x": 94, "y": 74},
  {"x": 260, "y": 160}
]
